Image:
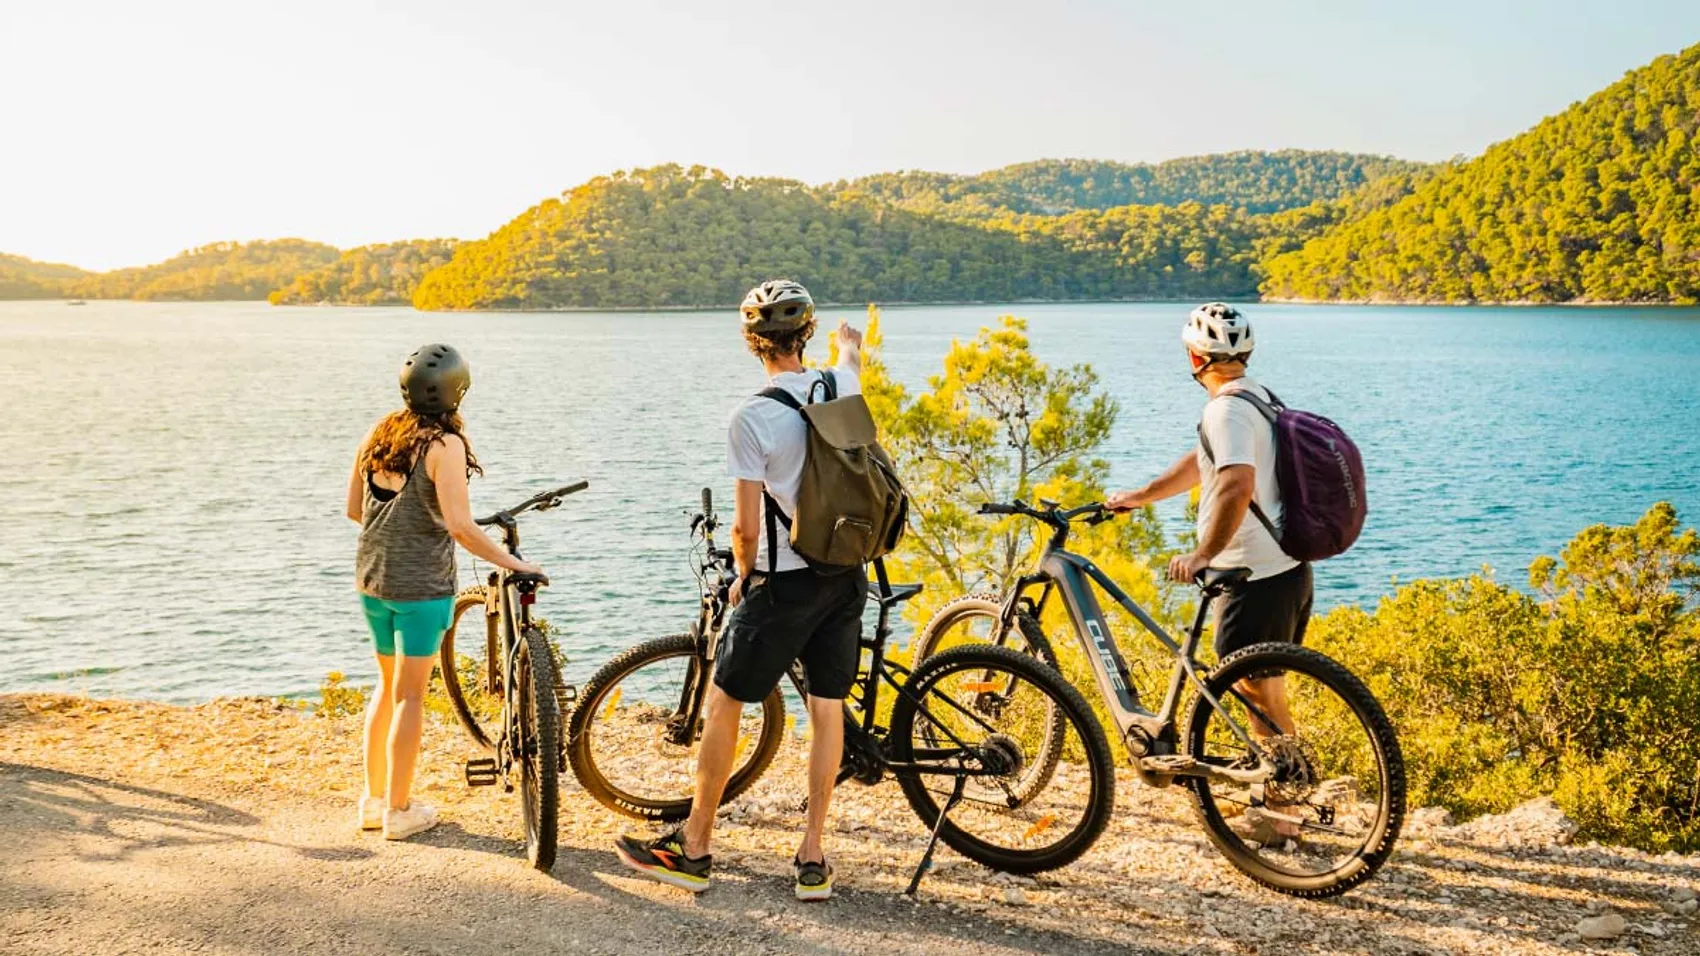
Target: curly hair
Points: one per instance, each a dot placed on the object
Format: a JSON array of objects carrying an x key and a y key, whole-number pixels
[
  {"x": 780, "y": 344},
  {"x": 401, "y": 438}
]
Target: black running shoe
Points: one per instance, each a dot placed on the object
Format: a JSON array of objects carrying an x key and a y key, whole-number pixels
[
  {"x": 663, "y": 860},
  {"x": 814, "y": 880}
]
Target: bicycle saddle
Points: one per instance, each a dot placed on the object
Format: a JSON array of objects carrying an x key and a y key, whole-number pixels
[
  {"x": 899, "y": 593},
  {"x": 1220, "y": 579},
  {"x": 528, "y": 581}
]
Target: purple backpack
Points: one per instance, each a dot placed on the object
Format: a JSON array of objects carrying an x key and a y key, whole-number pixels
[{"x": 1321, "y": 476}]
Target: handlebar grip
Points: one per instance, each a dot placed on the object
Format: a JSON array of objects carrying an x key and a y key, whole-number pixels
[
  {"x": 993, "y": 508},
  {"x": 707, "y": 501}
]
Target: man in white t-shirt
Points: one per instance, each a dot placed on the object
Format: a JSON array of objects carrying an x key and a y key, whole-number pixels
[
  {"x": 1233, "y": 466},
  {"x": 783, "y": 611}
]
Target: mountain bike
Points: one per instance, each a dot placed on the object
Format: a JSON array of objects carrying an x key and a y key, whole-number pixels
[
  {"x": 634, "y": 730},
  {"x": 506, "y": 689},
  {"x": 1309, "y": 810}
]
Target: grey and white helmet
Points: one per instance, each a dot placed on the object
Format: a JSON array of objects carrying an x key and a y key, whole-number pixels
[
  {"x": 1218, "y": 331},
  {"x": 777, "y": 305}
]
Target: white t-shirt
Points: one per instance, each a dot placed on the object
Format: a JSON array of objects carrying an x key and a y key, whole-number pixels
[
  {"x": 1240, "y": 435},
  {"x": 767, "y": 441}
]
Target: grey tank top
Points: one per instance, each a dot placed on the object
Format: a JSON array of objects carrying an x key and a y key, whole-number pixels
[{"x": 405, "y": 553}]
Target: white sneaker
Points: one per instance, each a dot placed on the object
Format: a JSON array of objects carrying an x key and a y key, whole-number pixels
[
  {"x": 371, "y": 813},
  {"x": 401, "y": 824}
]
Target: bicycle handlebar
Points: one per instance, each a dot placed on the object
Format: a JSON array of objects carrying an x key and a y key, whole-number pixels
[
  {"x": 1094, "y": 512},
  {"x": 541, "y": 502}
]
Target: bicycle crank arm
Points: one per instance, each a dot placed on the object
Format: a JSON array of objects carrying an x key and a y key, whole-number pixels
[{"x": 1181, "y": 765}]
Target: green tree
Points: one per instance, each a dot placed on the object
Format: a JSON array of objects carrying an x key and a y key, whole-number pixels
[{"x": 1595, "y": 204}]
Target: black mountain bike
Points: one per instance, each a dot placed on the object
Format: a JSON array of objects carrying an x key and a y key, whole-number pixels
[
  {"x": 506, "y": 688},
  {"x": 957, "y": 756},
  {"x": 1309, "y": 810}
]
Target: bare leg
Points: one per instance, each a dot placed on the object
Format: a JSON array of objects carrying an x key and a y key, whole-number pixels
[
  {"x": 412, "y": 674},
  {"x": 378, "y": 714},
  {"x": 1269, "y": 695},
  {"x": 721, "y": 713},
  {"x": 826, "y": 752}
]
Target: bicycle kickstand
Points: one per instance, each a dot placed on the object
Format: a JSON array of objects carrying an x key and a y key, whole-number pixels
[{"x": 932, "y": 844}]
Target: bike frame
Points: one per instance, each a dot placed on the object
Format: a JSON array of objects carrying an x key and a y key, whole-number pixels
[
  {"x": 1142, "y": 732},
  {"x": 865, "y": 752},
  {"x": 508, "y": 602}
]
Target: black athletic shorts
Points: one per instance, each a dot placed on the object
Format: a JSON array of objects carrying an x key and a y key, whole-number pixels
[
  {"x": 1275, "y": 609},
  {"x": 794, "y": 616}
]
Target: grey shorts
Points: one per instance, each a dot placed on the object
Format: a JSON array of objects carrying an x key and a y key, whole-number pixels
[{"x": 1275, "y": 608}]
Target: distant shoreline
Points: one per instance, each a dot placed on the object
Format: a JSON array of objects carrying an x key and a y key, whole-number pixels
[{"x": 906, "y": 304}]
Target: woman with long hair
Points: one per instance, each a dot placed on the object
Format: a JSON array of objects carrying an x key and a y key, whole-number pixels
[{"x": 408, "y": 494}]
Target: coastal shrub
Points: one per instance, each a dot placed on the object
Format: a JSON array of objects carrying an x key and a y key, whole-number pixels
[
  {"x": 1585, "y": 687},
  {"x": 338, "y": 698}
]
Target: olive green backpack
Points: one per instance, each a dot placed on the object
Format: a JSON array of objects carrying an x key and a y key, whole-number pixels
[{"x": 851, "y": 507}]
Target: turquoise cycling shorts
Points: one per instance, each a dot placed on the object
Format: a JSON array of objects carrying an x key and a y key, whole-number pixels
[{"x": 419, "y": 625}]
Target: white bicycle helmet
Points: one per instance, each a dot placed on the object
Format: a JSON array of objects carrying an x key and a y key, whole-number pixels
[
  {"x": 777, "y": 305},
  {"x": 1218, "y": 331}
]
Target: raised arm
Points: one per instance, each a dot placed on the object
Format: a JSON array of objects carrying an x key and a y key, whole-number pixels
[
  {"x": 446, "y": 464},
  {"x": 849, "y": 348}
]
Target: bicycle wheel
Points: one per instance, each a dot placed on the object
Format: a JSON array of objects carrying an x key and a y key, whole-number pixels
[
  {"x": 943, "y": 701},
  {"x": 1329, "y": 817},
  {"x": 627, "y": 741},
  {"x": 978, "y": 619},
  {"x": 474, "y": 691},
  {"x": 538, "y": 750}
]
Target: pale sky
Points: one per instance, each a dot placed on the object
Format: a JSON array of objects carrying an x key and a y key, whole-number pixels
[{"x": 133, "y": 130}]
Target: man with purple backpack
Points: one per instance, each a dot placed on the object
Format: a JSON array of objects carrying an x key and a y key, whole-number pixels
[{"x": 1251, "y": 452}]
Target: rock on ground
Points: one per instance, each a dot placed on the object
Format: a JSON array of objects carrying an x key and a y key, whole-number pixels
[{"x": 227, "y": 829}]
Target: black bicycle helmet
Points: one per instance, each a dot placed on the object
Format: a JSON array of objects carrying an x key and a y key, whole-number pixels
[
  {"x": 434, "y": 379},
  {"x": 777, "y": 305}
]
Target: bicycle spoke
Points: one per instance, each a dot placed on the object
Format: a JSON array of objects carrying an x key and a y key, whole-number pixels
[{"x": 1315, "y": 814}]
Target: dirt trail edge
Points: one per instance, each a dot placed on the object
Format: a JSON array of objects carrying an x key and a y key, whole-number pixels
[{"x": 226, "y": 829}]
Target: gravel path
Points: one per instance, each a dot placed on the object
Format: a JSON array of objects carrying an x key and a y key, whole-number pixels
[{"x": 224, "y": 828}]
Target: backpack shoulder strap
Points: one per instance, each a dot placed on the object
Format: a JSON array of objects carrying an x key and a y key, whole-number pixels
[
  {"x": 828, "y": 383},
  {"x": 781, "y": 396},
  {"x": 1210, "y": 456},
  {"x": 1270, "y": 409}
]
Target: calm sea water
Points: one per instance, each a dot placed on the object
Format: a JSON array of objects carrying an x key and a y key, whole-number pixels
[{"x": 172, "y": 493}]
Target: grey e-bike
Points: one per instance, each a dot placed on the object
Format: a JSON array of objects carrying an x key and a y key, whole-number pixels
[{"x": 1293, "y": 767}]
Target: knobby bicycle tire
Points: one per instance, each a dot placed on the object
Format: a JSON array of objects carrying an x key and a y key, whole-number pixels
[
  {"x": 466, "y": 600},
  {"x": 540, "y": 763},
  {"x": 1260, "y": 658},
  {"x": 1101, "y": 801},
  {"x": 988, "y": 605},
  {"x": 581, "y": 733}
]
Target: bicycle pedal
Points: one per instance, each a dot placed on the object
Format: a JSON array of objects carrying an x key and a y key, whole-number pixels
[
  {"x": 1168, "y": 763},
  {"x": 481, "y": 772}
]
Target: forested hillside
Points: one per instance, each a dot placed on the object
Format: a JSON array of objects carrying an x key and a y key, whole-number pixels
[
  {"x": 671, "y": 236},
  {"x": 385, "y": 274},
  {"x": 22, "y": 278},
  {"x": 1598, "y": 203},
  {"x": 1258, "y": 182},
  {"x": 223, "y": 270}
]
